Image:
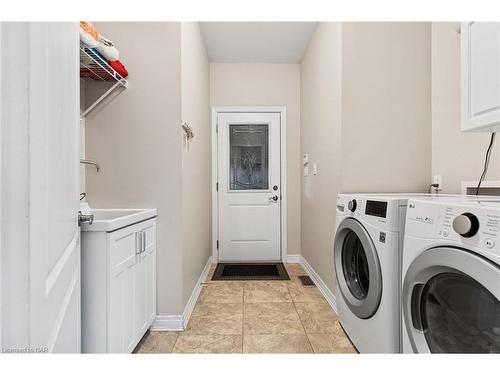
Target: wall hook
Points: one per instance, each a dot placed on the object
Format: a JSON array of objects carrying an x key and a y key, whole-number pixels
[{"x": 188, "y": 131}]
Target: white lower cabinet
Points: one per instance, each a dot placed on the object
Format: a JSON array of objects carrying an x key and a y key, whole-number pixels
[{"x": 118, "y": 287}]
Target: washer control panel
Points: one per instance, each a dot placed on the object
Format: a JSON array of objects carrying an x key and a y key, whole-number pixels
[
  {"x": 468, "y": 224},
  {"x": 474, "y": 222}
]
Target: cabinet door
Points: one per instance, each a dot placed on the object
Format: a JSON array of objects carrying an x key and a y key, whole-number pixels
[
  {"x": 145, "y": 281},
  {"x": 480, "y": 49},
  {"x": 122, "y": 294}
]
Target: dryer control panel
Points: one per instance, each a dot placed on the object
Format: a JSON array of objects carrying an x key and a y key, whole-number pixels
[{"x": 382, "y": 212}]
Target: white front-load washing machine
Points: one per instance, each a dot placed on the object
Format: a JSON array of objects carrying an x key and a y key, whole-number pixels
[
  {"x": 451, "y": 276},
  {"x": 367, "y": 260}
]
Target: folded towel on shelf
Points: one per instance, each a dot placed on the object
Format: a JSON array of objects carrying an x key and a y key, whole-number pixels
[
  {"x": 94, "y": 69},
  {"x": 107, "y": 49},
  {"x": 95, "y": 52},
  {"x": 119, "y": 68},
  {"x": 88, "y": 34}
]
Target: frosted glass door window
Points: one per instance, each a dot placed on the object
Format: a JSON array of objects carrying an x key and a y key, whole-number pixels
[{"x": 249, "y": 157}]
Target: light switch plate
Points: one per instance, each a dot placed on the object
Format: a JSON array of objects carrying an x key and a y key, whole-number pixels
[
  {"x": 305, "y": 159},
  {"x": 306, "y": 171}
]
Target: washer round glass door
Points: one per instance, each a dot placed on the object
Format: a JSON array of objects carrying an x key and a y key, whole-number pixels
[
  {"x": 451, "y": 302},
  {"x": 357, "y": 268}
]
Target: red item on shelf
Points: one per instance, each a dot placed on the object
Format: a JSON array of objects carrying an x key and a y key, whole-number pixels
[{"x": 119, "y": 67}]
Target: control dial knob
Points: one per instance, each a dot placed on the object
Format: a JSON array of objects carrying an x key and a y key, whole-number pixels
[
  {"x": 352, "y": 205},
  {"x": 466, "y": 224}
]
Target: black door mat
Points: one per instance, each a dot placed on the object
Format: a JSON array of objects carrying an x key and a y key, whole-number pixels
[
  {"x": 306, "y": 281},
  {"x": 250, "y": 271}
]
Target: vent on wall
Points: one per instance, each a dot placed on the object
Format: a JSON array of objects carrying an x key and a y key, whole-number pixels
[{"x": 487, "y": 188}]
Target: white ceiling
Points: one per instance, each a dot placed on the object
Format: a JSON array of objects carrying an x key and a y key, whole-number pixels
[{"x": 256, "y": 42}]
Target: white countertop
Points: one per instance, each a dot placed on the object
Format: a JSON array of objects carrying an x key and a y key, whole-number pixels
[{"x": 108, "y": 220}]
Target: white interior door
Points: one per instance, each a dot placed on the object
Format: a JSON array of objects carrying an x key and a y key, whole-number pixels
[
  {"x": 54, "y": 187},
  {"x": 249, "y": 187},
  {"x": 41, "y": 93}
]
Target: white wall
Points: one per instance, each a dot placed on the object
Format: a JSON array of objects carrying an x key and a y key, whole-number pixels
[
  {"x": 196, "y": 166},
  {"x": 145, "y": 160},
  {"x": 321, "y": 138},
  {"x": 456, "y": 156},
  {"x": 137, "y": 140},
  {"x": 368, "y": 127},
  {"x": 267, "y": 85},
  {"x": 386, "y": 99}
]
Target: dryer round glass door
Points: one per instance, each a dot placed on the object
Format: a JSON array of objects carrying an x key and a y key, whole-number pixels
[
  {"x": 451, "y": 302},
  {"x": 357, "y": 268}
]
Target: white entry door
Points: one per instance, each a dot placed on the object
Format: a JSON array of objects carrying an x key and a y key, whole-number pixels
[
  {"x": 249, "y": 187},
  {"x": 40, "y": 96}
]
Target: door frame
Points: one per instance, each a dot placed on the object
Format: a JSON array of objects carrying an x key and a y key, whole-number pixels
[{"x": 216, "y": 110}]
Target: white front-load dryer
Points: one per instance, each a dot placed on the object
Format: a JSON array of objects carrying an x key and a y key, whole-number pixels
[
  {"x": 367, "y": 261},
  {"x": 451, "y": 276}
]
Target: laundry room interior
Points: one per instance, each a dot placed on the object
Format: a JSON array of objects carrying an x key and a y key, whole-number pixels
[{"x": 256, "y": 187}]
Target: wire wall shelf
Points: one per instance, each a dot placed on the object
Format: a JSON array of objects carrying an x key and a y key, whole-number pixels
[{"x": 94, "y": 68}]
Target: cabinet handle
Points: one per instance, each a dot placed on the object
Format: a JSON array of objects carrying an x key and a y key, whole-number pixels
[
  {"x": 138, "y": 242},
  {"x": 143, "y": 241}
]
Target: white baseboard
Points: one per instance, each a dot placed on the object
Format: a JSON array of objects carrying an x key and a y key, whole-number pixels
[
  {"x": 325, "y": 291},
  {"x": 292, "y": 258},
  {"x": 196, "y": 293},
  {"x": 167, "y": 322}
]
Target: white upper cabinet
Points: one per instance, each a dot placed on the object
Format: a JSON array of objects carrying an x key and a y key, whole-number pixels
[{"x": 480, "y": 55}]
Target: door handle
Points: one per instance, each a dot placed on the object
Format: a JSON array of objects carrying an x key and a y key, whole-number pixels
[
  {"x": 416, "y": 312},
  {"x": 143, "y": 241},
  {"x": 138, "y": 243},
  {"x": 274, "y": 198}
]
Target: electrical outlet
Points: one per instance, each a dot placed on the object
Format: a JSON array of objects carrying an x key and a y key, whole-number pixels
[
  {"x": 305, "y": 159},
  {"x": 437, "y": 180}
]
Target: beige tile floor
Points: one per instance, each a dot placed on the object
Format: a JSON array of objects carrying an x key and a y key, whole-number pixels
[{"x": 256, "y": 317}]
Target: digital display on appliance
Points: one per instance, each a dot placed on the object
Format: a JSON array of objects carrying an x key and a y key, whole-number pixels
[{"x": 376, "y": 208}]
